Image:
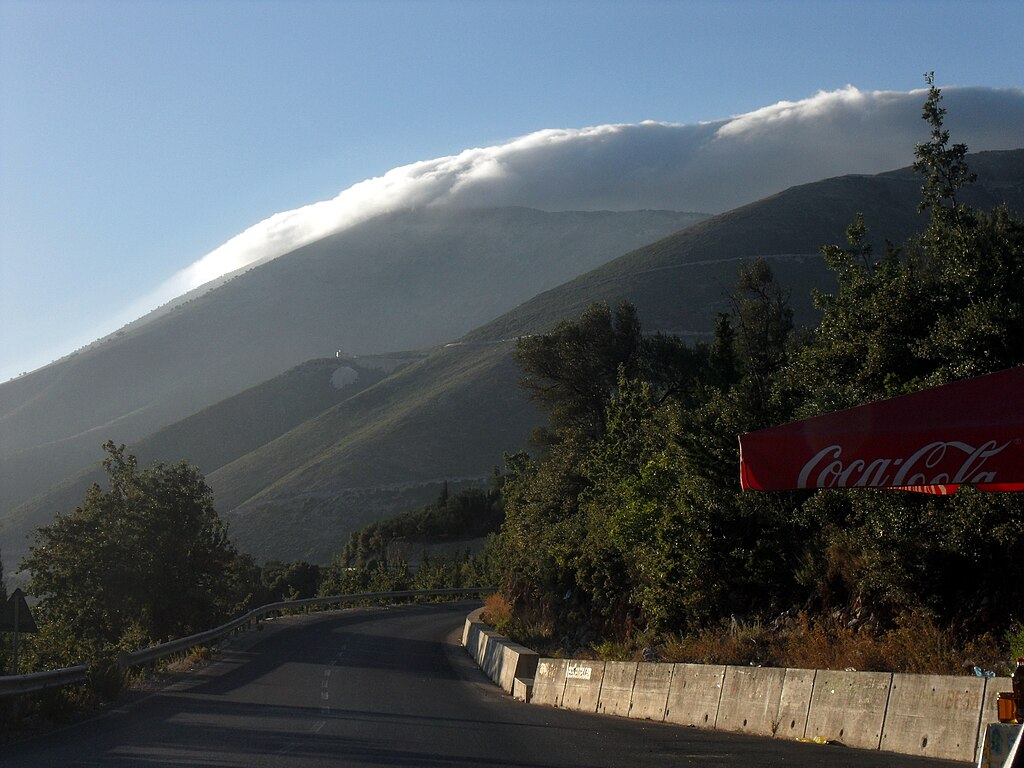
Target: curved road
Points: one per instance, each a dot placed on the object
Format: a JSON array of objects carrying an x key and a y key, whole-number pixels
[{"x": 385, "y": 687}]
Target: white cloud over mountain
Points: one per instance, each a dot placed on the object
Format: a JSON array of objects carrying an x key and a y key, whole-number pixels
[{"x": 709, "y": 167}]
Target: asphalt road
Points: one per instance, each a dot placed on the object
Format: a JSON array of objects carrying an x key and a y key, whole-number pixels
[{"x": 385, "y": 687}]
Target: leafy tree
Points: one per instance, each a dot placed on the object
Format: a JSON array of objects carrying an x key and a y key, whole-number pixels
[
  {"x": 947, "y": 305},
  {"x": 340, "y": 579},
  {"x": 290, "y": 581},
  {"x": 571, "y": 370},
  {"x": 581, "y": 518},
  {"x": 943, "y": 165},
  {"x": 539, "y": 538},
  {"x": 145, "y": 560},
  {"x": 724, "y": 551},
  {"x": 633, "y": 476},
  {"x": 764, "y": 321}
]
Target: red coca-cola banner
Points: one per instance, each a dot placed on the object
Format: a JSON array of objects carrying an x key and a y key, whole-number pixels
[{"x": 966, "y": 433}]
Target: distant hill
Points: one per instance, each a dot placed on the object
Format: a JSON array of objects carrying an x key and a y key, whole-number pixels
[
  {"x": 679, "y": 282},
  {"x": 404, "y": 280},
  {"x": 450, "y": 415}
]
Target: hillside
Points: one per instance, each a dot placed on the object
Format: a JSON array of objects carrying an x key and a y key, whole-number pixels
[
  {"x": 413, "y": 430},
  {"x": 451, "y": 415},
  {"x": 230, "y": 429},
  {"x": 404, "y": 280},
  {"x": 679, "y": 282}
]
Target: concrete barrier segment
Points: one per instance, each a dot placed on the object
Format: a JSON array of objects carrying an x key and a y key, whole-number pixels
[
  {"x": 650, "y": 691},
  {"x": 517, "y": 661},
  {"x": 474, "y": 639},
  {"x": 694, "y": 694},
  {"x": 933, "y": 716},
  {"x": 617, "y": 688},
  {"x": 750, "y": 700},
  {"x": 549, "y": 682},
  {"x": 492, "y": 652},
  {"x": 473, "y": 618},
  {"x": 583, "y": 685},
  {"x": 795, "y": 703},
  {"x": 522, "y": 689},
  {"x": 849, "y": 707}
]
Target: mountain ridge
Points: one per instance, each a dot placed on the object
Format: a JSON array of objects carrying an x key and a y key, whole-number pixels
[{"x": 384, "y": 448}]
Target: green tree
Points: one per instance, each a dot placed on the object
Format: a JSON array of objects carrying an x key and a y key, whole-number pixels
[
  {"x": 943, "y": 165},
  {"x": 764, "y": 321},
  {"x": 946, "y": 305},
  {"x": 581, "y": 517},
  {"x": 633, "y": 476},
  {"x": 725, "y": 551},
  {"x": 631, "y": 516},
  {"x": 572, "y": 370},
  {"x": 145, "y": 560},
  {"x": 285, "y": 581}
]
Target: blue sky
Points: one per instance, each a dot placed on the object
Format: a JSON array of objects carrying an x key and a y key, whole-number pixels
[{"x": 135, "y": 137}]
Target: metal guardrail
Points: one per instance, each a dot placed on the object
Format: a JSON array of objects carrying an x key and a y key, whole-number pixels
[{"x": 16, "y": 685}]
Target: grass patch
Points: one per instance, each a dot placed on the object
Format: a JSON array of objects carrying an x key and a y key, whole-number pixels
[{"x": 915, "y": 645}]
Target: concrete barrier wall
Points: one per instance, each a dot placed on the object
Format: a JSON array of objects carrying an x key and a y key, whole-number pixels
[
  {"x": 849, "y": 707},
  {"x": 500, "y": 659},
  {"x": 473, "y": 618},
  {"x": 549, "y": 682},
  {"x": 617, "y": 688},
  {"x": 795, "y": 703},
  {"x": 583, "y": 685},
  {"x": 516, "y": 661},
  {"x": 650, "y": 691},
  {"x": 491, "y": 653},
  {"x": 934, "y": 716},
  {"x": 474, "y": 639},
  {"x": 929, "y": 715},
  {"x": 694, "y": 694},
  {"x": 750, "y": 700}
]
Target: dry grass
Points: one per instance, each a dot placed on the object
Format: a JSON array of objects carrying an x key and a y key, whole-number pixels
[
  {"x": 497, "y": 612},
  {"x": 533, "y": 628},
  {"x": 915, "y": 645}
]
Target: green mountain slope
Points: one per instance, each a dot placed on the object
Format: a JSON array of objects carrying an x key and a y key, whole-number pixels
[
  {"x": 403, "y": 280},
  {"x": 223, "y": 432},
  {"x": 387, "y": 449}
]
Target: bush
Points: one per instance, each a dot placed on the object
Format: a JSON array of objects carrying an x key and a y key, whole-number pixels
[{"x": 497, "y": 612}]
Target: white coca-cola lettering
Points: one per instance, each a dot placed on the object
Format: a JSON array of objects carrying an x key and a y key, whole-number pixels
[{"x": 827, "y": 469}]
